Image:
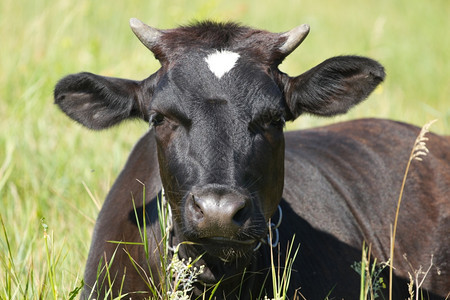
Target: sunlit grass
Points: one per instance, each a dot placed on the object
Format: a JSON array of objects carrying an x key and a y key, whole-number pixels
[{"x": 47, "y": 162}]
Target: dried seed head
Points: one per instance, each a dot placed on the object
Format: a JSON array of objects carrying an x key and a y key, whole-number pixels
[
  {"x": 420, "y": 147},
  {"x": 411, "y": 287}
]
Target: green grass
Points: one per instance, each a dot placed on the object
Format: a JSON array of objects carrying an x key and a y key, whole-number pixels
[{"x": 52, "y": 168}]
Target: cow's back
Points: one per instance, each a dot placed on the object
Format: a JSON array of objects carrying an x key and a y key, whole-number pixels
[{"x": 343, "y": 181}]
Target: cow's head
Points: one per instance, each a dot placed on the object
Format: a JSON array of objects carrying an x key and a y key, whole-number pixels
[{"x": 218, "y": 105}]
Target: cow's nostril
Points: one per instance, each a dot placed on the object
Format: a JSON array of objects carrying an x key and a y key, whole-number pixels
[
  {"x": 197, "y": 206},
  {"x": 240, "y": 214}
]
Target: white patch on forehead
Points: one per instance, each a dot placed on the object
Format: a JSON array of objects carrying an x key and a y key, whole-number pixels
[{"x": 221, "y": 62}]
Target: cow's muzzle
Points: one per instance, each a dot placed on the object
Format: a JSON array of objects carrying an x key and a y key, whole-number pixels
[{"x": 218, "y": 213}]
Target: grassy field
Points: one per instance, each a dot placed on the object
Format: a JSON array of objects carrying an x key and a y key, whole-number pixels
[{"x": 53, "y": 169}]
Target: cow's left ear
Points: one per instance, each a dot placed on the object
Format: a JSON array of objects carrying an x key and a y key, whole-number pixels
[
  {"x": 332, "y": 87},
  {"x": 99, "y": 102}
]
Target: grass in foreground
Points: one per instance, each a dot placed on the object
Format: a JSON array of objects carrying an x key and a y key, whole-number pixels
[{"x": 46, "y": 161}]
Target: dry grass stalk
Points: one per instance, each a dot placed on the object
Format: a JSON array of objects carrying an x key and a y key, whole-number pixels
[
  {"x": 418, "y": 151},
  {"x": 416, "y": 280}
]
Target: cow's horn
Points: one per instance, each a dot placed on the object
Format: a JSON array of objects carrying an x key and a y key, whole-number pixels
[
  {"x": 149, "y": 36},
  {"x": 294, "y": 38}
]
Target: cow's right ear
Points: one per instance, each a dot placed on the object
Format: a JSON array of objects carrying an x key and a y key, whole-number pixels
[{"x": 99, "y": 102}]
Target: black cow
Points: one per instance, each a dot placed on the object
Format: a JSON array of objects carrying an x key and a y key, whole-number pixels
[{"x": 217, "y": 108}]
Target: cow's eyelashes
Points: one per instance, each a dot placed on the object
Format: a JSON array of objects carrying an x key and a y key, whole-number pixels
[
  {"x": 172, "y": 118},
  {"x": 265, "y": 123},
  {"x": 157, "y": 119},
  {"x": 278, "y": 122}
]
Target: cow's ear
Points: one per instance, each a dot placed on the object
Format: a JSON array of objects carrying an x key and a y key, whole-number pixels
[
  {"x": 99, "y": 102},
  {"x": 332, "y": 87}
]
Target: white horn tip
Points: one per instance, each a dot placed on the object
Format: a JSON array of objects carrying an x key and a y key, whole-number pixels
[
  {"x": 299, "y": 32},
  {"x": 304, "y": 27},
  {"x": 135, "y": 23},
  {"x": 147, "y": 35},
  {"x": 294, "y": 38}
]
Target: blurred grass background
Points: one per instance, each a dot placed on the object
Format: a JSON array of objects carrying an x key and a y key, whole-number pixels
[{"x": 52, "y": 168}]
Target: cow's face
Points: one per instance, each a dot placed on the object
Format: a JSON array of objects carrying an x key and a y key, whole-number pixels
[
  {"x": 219, "y": 131},
  {"x": 218, "y": 106}
]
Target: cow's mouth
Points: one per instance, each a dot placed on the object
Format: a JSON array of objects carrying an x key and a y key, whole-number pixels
[
  {"x": 228, "y": 241},
  {"x": 219, "y": 255},
  {"x": 226, "y": 249},
  {"x": 222, "y": 258}
]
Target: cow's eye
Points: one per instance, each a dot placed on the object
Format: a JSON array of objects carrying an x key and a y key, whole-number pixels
[
  {"x": 156, "y": 119},
  {"x": 266, "y": 123}
]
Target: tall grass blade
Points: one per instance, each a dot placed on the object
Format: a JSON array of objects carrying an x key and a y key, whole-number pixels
[
  {"x": 6, "y": 168},
  {"x": 50, "y": 260},
  {"x": 419, "y": 150},
  {"x": 9, "y": 266},
  {"x": 74, "y": 293},
  {"x": 280, "y": 282}
]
